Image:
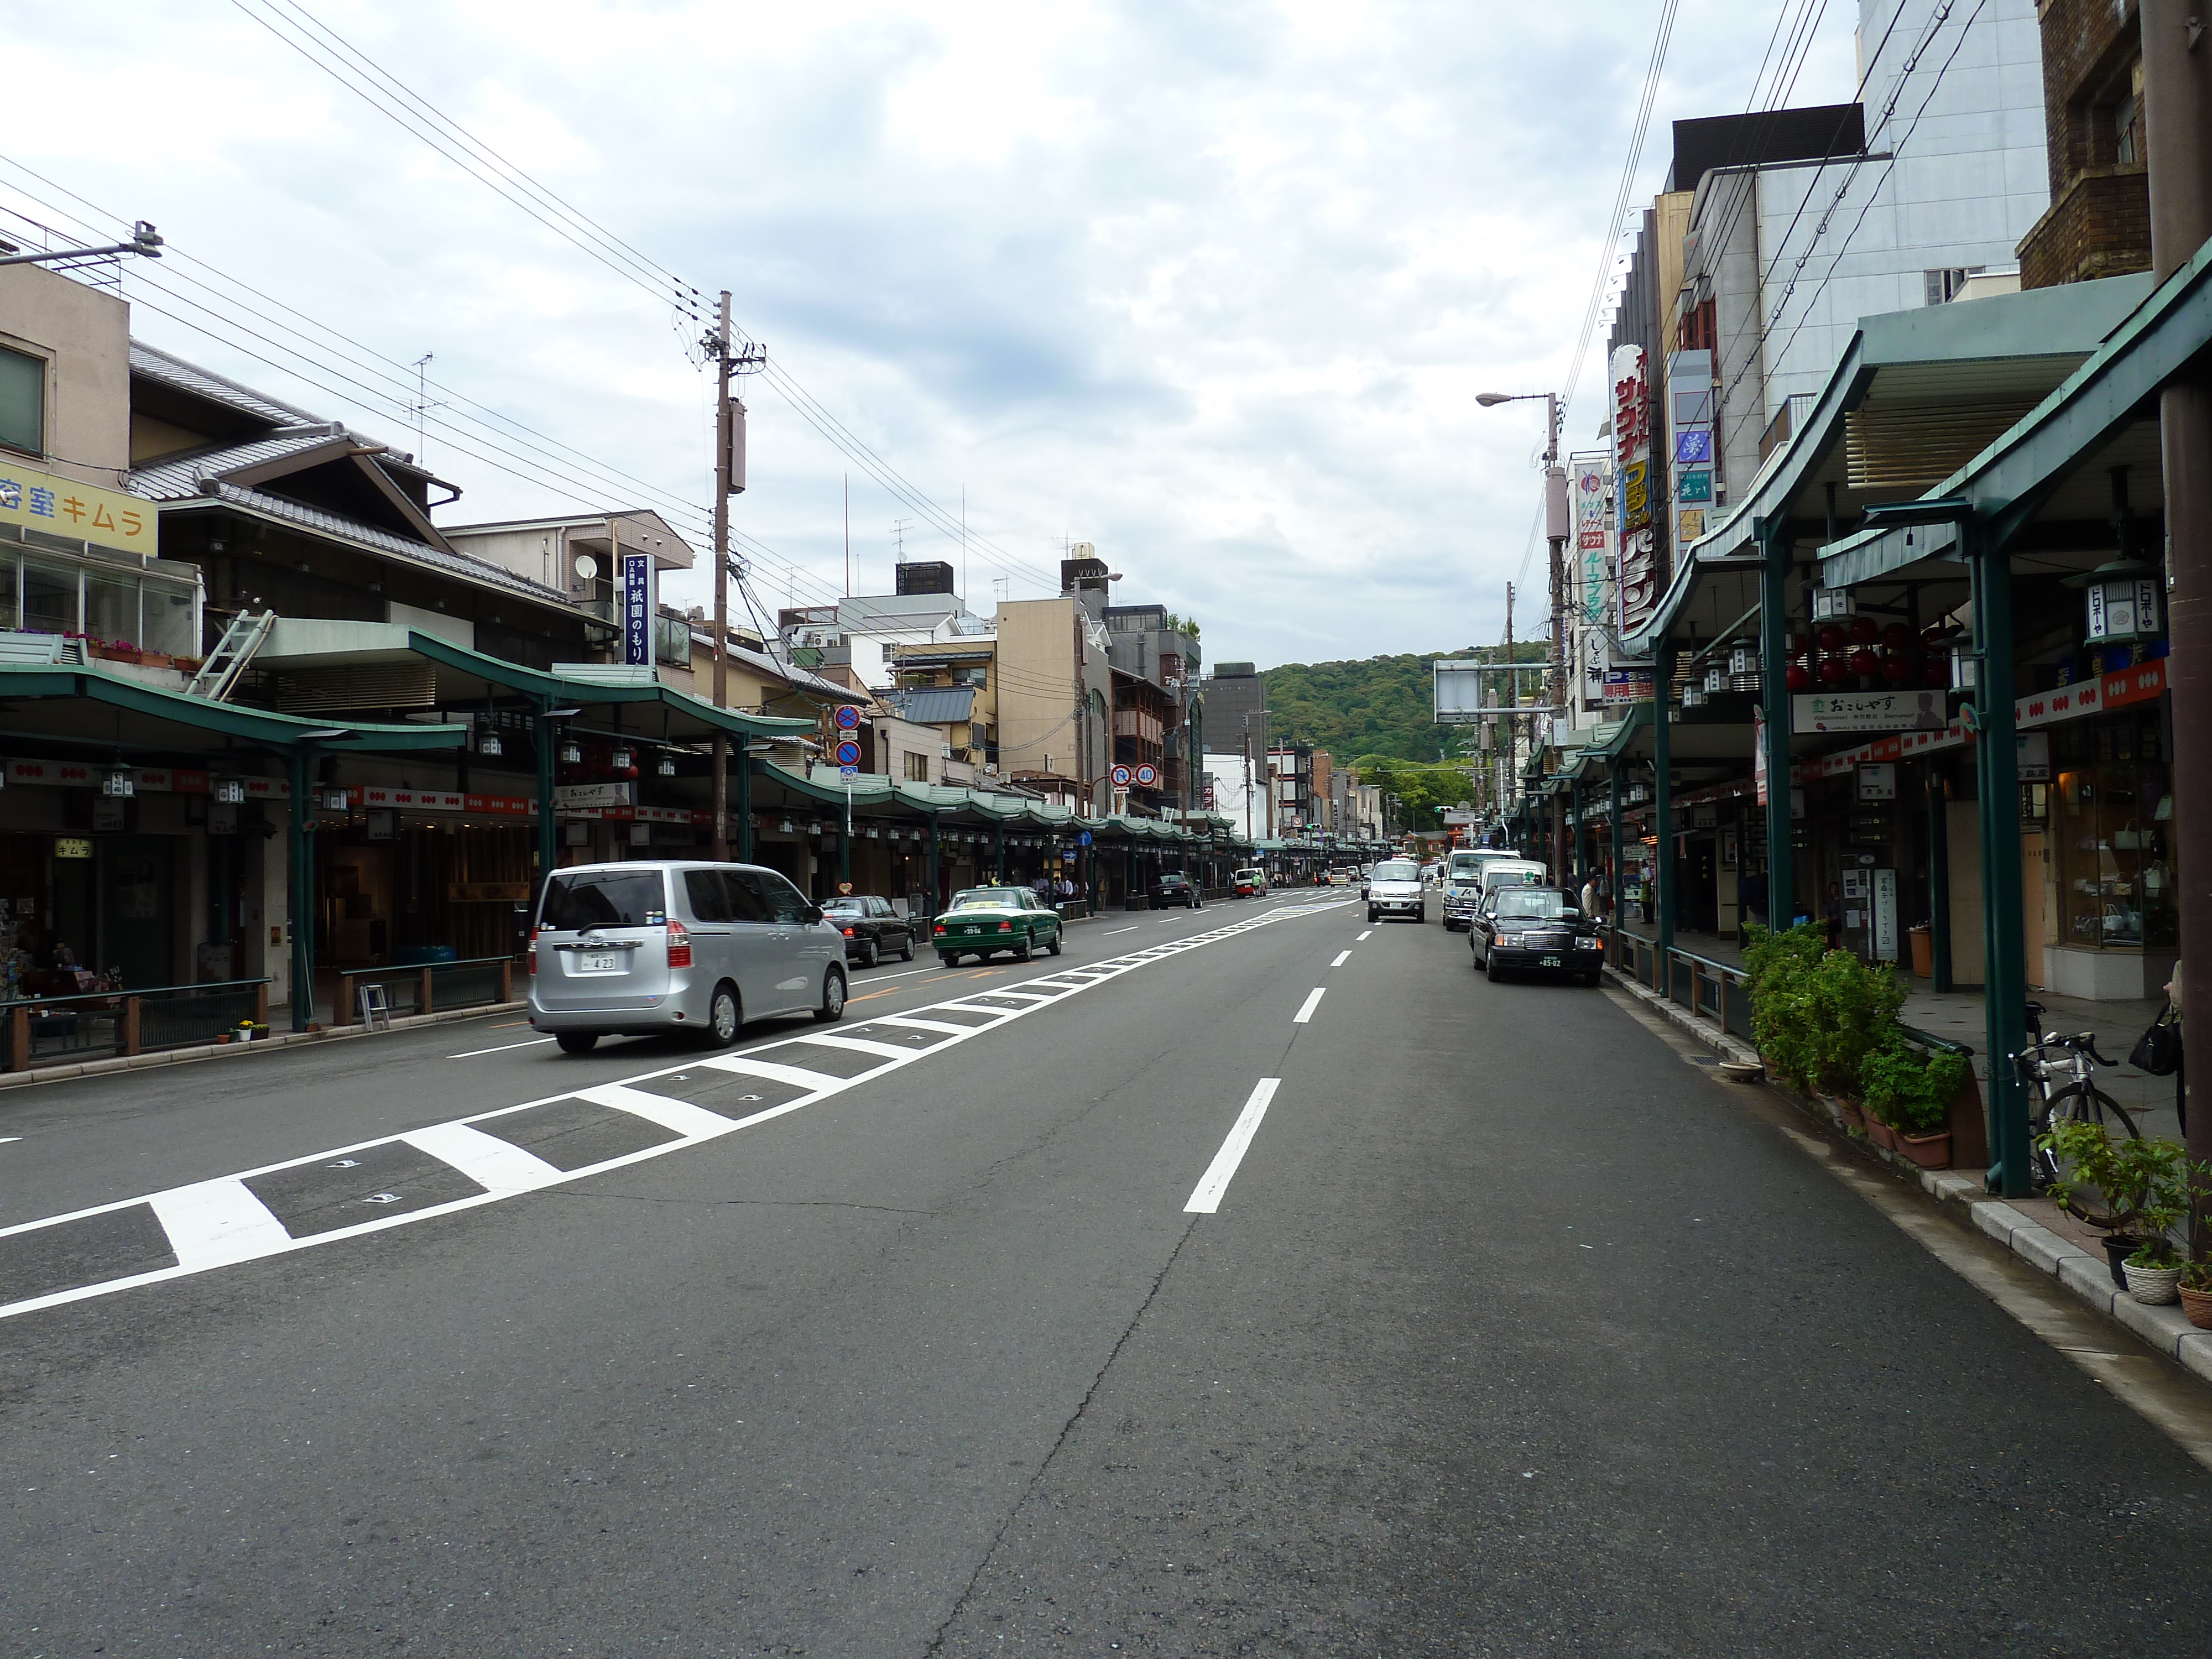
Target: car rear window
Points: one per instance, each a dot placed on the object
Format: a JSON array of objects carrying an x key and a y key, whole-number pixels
[
  {"x": 604, "y": 898},
  {"x": 1398, "y": 872},
  {"x": 986, "y": 898},
  {"x": 847, "y": 907}
]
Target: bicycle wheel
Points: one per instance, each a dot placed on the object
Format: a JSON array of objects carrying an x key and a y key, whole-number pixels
[{"x": 2083, "y": 1103}]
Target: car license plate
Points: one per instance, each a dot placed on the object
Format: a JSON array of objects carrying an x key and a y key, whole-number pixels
[
  {"x": 601, "y": 962},
  {"x": 1548, "y": 962}
]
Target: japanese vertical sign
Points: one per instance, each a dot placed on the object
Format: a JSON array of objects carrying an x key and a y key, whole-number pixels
[
  {"x": 1690, "y": 417},
  {"x": 637, "y": 609},
  {"x": 1638, "y": 578},
  {"x": 1588, "y": 477}
]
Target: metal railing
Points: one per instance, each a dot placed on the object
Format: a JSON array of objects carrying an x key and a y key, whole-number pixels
[
  {"x": 1718, "y": 992},
  {"x": 428, "y": 987},
  {"x": 55, "y": 1031}
]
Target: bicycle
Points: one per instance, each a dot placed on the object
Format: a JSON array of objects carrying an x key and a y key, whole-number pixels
[{"x": 2057, "y": 1071}]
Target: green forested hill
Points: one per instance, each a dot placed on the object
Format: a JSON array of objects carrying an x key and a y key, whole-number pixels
[{"x": 1379, "y": 706}]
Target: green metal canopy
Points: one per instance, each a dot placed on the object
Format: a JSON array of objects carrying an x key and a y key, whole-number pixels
[{"x": 93, "y": 701}]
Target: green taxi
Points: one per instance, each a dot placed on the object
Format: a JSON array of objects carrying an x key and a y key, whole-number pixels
[{"x": 982, "y": 921}]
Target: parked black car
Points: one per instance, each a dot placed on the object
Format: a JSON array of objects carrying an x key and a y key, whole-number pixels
[
  {"x": 873, "y": 929},
  {"x": 1175, "y": 888},
  {"x": 1539, "y": 929}
]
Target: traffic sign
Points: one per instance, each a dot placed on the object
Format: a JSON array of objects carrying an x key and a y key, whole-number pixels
[
  {"x": 1083, "y": 839},
  {"x": 849, "y": 754},
  {"x": 1147, "y": 775},
  {"x": 1121, "y": 777},
  {"x": 848, "y": 717},
  {"x": 848, "y": 772}
]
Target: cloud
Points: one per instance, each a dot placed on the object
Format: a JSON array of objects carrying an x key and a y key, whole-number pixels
[{"x": 1209, "y": 284}]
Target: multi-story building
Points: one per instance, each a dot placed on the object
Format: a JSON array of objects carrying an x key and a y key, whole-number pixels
[
  {"x": 1291, "y": 767},
  {"x": 1235, "y": 700},
  {"x": 2098, "y": 220},
  {"x": 1157, "y": 714},
  {"x": 860, "y": 634}
]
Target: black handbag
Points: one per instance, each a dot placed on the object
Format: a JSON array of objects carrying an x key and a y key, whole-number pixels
[{"x": 2158, "y": 1050}]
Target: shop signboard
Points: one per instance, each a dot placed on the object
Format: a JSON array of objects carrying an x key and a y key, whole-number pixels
[
  {"x": 1866, "y": 711},
  {"x": 566, "y": 795},
  {"x": 1629, "y": 684},
  {"x": 1637, "y": 583},
  {"x": 1878, "y": 781},
  {"x": 637, "y": 609},
  {"x": 62, "y": 507},
  {"x": 1884, "y": 916}
]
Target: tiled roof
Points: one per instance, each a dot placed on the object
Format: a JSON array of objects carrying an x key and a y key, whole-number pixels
[
  {"x": 158, "y": 365},
  {"x": 351, "y": 530},
  {"x": 176, "y": 478},
  {"x": 933, "y": 705}
]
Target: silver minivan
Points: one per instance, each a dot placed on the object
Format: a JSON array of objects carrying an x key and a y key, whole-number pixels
[{"x": 629, "y": 949}]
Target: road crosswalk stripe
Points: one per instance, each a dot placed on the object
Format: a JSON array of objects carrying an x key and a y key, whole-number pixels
[
  {"x": 768, "y": 1069},
  {"x": 858, "y": 1045},
  {"x": 212, "y": 1223},
  {"x": 495, "y": 1165},
  {"x": 694, "y": 1122}
]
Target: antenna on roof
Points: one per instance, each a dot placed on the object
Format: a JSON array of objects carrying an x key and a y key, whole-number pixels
[{"x": 419, "y": 410}]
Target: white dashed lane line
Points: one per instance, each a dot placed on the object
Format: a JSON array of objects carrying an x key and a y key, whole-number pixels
[
  {"x": 512, "y": 1150},
  {"x": 1205, "y": 1198},
  {"x": 1363, "y": 936},
  {"x": 1306, "y": 1011},
  {"x": 1342, "y": 956}
]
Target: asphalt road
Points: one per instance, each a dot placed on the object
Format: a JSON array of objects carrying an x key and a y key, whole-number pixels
[{"x": 1510, "y": 1333}]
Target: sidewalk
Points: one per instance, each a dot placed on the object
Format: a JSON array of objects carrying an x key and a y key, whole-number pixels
[{"x": 1957, "y": 1016}]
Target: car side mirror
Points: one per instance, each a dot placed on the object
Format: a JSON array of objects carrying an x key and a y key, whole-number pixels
[{"x": 813, "y": 913}]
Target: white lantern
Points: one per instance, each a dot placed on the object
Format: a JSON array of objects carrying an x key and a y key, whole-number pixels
[
  {"x": 1830, "y": 603},
  {"x": 230, "y": 792},
  {"x": 117, "y": 783},
  {"x": 1742, "y": 661},
  {"x": 2122, "y": 599},
  {"x": 1715, "y": 679},
  {"x": 1965, "y": 667}
]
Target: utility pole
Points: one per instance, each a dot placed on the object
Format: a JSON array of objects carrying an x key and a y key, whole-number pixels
[
  {"x": 720, "y": 342},
  {"x": 1513, "y": 702},
  {"x": 1555, "y": 532},
  {"x": 2176, "y": 71}
]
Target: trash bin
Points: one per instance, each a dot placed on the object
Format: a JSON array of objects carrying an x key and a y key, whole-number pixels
[{"x": 1924, "y": 950}]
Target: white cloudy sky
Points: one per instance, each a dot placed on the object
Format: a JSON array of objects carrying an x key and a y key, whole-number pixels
[{"x": 1211, "y": 284}]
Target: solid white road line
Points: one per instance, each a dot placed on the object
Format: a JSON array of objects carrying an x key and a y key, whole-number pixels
[
  {"x": 215, "y": 1223},
  {"x": 1205, "y": 1198},
  {"x": 694, "y": 1122},
  {"x": 903, "y": 973},
  {"x": 495, "y": 1165},
  {"x": 1111, "y": 931},
  {"x": 769, "y": 1069},
  {"x": 1342, "y": 956},
  {"x": 1305, "y": 1013},
  {"x": 502, "y": 1048},
  {"x": 1363, "y": 936}
]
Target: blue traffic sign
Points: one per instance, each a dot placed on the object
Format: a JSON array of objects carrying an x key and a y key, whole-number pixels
[
  {"x": 849, "y": 754},
  {"x": 1083, "y": 839},
  {"x": 848, "y": 718}
]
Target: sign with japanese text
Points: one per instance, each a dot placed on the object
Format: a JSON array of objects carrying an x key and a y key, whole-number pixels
[
  {"x": 78, "y": 513},
  {"x": 1868, "y": 711},
  {"x": 637, "y": 609},
  {"x": 1629, "y": 684},
  {"x": 1636, "y": 581}
]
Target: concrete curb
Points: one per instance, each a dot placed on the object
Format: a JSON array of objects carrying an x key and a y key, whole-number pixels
[
  {"x": 2085, "y": 1275},
  {"x": 220, "y": 1050}
]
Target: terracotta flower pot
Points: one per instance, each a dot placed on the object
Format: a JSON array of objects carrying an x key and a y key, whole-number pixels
[
  {"x": 2152, "y": 1285},
  {"x": 1881, "y": 1134},
  {"x": 2198, "y": 1304},
  {"x": 1928, "y": 1152}
]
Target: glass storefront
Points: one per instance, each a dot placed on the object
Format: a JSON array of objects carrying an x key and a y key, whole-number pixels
[
  {"x": 2111, "y": 829},
  {"x": 153, "y": 609}
]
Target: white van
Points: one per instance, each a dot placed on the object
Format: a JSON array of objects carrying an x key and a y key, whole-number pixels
[
  {"x": 1511, "y": 872},
  {"x": 1463, "y": 881},
  {"x": 631, "y": 950}
]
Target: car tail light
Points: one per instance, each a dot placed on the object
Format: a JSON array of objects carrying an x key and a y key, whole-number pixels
[
  {"x": 679, "y": 945},
  {"x": 1005, "y": 926},
  {"x": 940, "y": 927},
  {"x": 848, "y": 933},
  {"x": 532, "y": 954}
]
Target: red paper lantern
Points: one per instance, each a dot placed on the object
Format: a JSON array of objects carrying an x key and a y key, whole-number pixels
[
  {"x": 1864, "y": 631},
  {"x": 1935, "y": 672},
  {"x": 1832, "y": 638},
  {"x": 1863, "y": 662},
  {"x": 1798, "y": 678},
  {"x": 1896, "y": 669},
  {"x": 1833, "y": 671},
  {"x": 1897, "y": 636}
]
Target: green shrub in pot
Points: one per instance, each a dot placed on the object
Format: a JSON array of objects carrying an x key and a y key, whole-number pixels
[
  {"x": 1910, "y": 1088},
  {"x": 1855, "y": 1009},
  {"x": 1778, "y": 969},
  {"x": 2144, "y": 1184}
]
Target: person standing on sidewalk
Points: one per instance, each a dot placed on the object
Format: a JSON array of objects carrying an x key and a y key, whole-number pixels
[{"x": 2181, "y": 1052}]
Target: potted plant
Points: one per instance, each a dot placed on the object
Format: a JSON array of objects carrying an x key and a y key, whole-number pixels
[
  {"x": 2144, "y": 1187},
  {"x": 2195, "y": 1287},
  {"x": 1910, "y": 1090},
  {"x": 1778, "y": 970}
]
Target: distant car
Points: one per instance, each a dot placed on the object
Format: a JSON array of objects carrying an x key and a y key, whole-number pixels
[
  {"x": 1537, "y": 930},
  {"x": 1173, "y": 887},
  {"x": 1249, "y": 882},
  {"x": 981, "y": 921},
  {"x": 873, "y": 929},
  {"x": 1463, "y": 881},
  {"x": 1396, "y": 890}
]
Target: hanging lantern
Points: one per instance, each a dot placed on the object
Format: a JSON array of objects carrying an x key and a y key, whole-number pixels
[
  {"x": 490, "y": 747},
  {"x": 1965, "y": 667},
  {"x": 571, "y": 752},
  {"x": 117, "y": 782},
  {"x": 1896, "y": 669},
  {"x": 229, "y": 792},
  {"x": 621, "y": 759},
  {"x": 335, "y": 798},
  {"x": 1742, "y": 661},
  {"x": 1715, "y": 679},
  {"x": 1863, "y": 631},
  {"x": 1797, "y": 678},
  {"x": 2122, "y": 602},
  {"x": 783, "y": 825},
  {"x": 1829, "y": 602},
  {"x": 1934, "y": 672},
  {"x": 667, "y": 767},
  {"x": 1863, "y": 662},
  {"x": 1833, "y": 638},
  {"x": 1898, "y": 637},
  {"x": 1833, "y": 671}
]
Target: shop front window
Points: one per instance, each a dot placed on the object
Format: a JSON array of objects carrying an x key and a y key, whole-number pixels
[
  {"x": 2112, "y": 821},
  {"x": 169, "y": 620},
  {"x": 111, "y": 607},
  {"x": 50, "y": 598}
]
